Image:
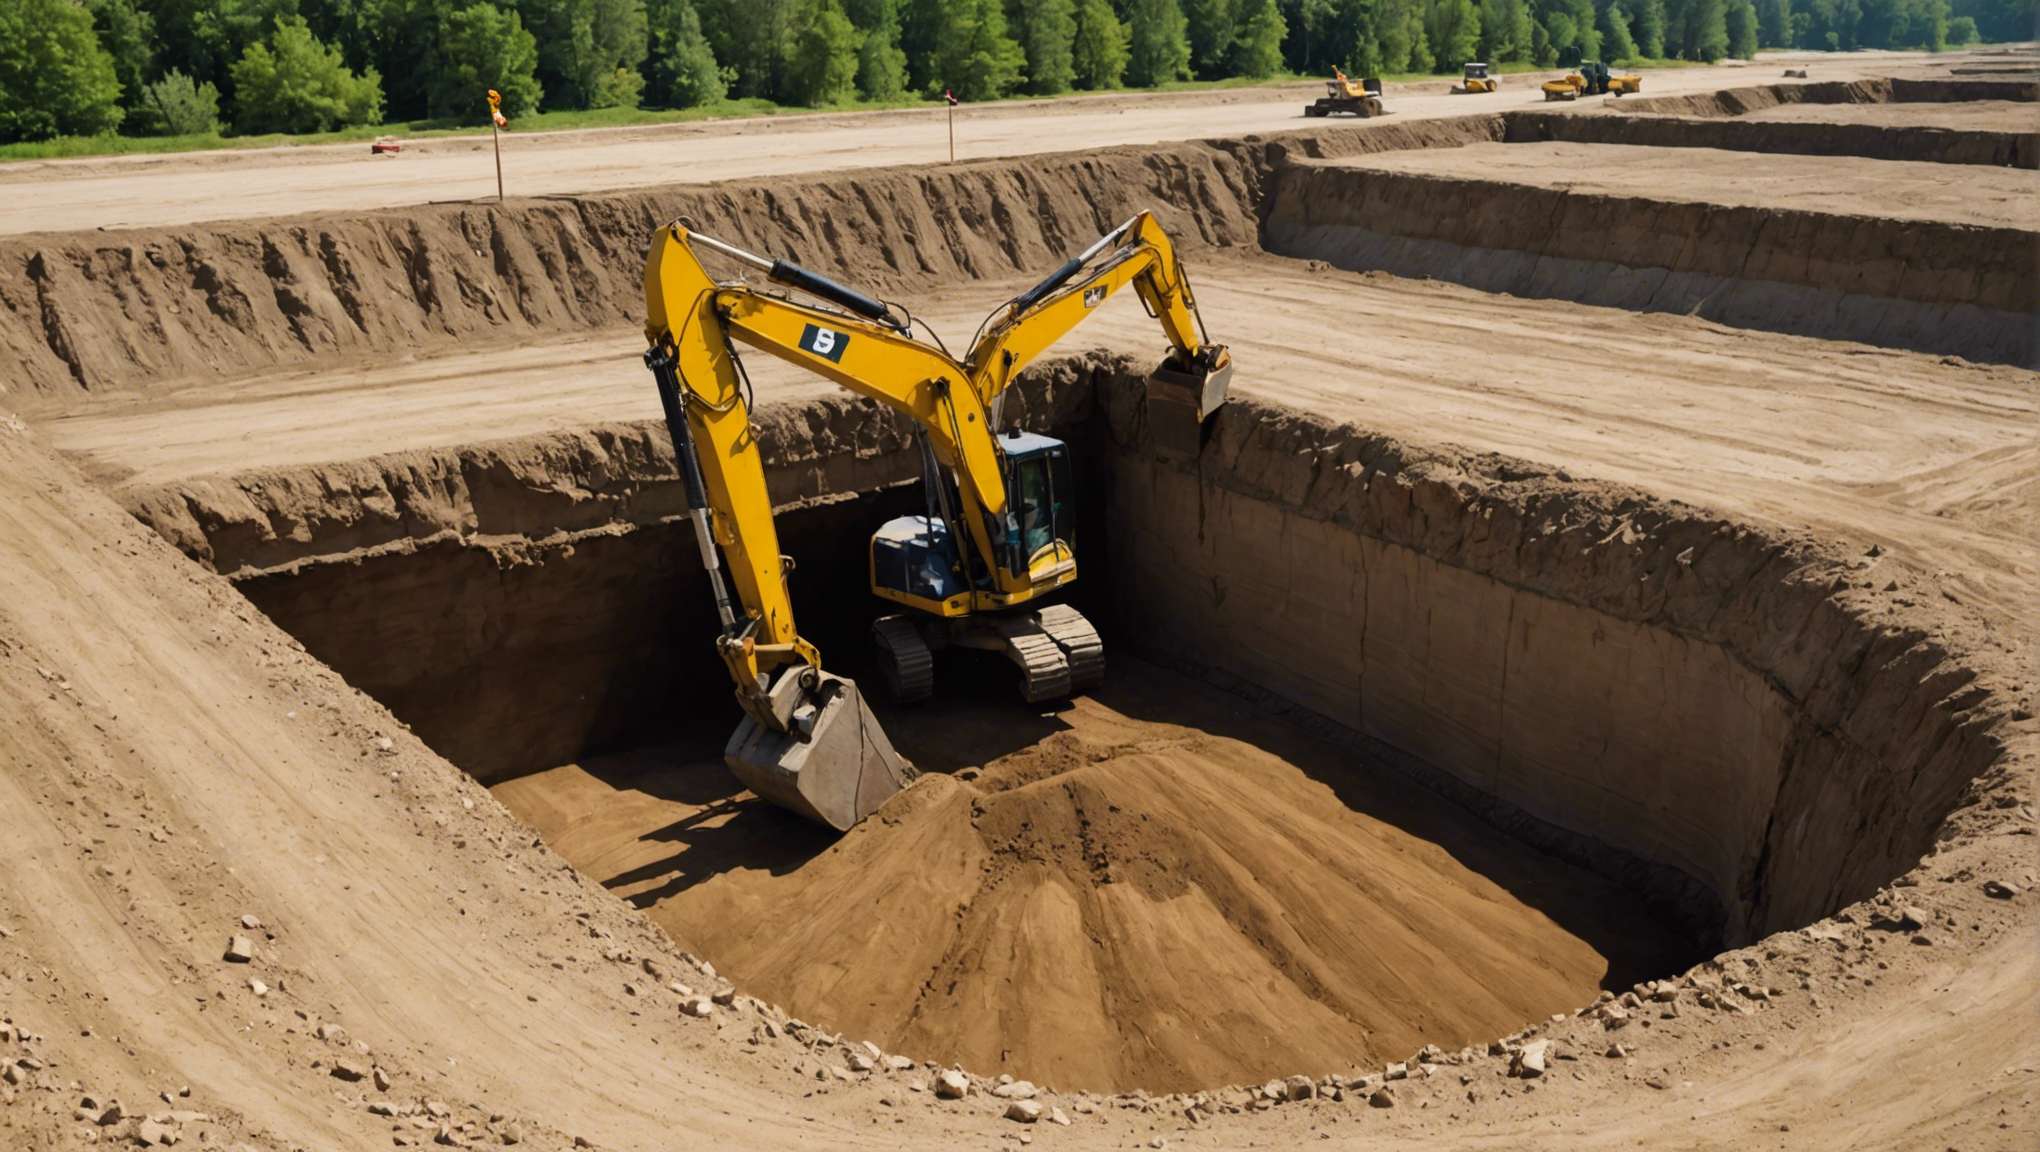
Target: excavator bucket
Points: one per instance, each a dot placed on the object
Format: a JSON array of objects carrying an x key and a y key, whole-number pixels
[
  {"x": 1180, "y": 397},
  {"x": 833, "y": 764}
]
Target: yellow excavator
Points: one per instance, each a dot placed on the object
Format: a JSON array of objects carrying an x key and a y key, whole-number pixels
[
  {"x": 1588, "y": 78},
  {"x": 997, "y": 539}
]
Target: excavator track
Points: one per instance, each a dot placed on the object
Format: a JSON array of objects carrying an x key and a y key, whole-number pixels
[
  {"x": 905, "y": 659},
  {"x": 1041, "y": 659},
  {"x": 1082, "y": 649}
]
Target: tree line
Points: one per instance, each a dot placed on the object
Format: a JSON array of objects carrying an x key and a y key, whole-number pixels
[{"x": 179, "y": 67}]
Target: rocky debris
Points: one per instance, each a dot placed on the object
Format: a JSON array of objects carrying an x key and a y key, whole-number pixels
[
  {"x": 512, "y": 1133},
  {"x": 899, "y": 1063},
  {"x": 92, "y": 1111},
  {"x": 1619, "y": 1051},
  {"x": 726, "y": 997},
  {"x": 1300, "y": 1088},
  {"x": 1529, "y": 1061},
  {"x": 1396, "y": 1072},
  {"x": 861, "y": 1062},
  {"x": 700, "y": 1007},
  {"x": 251, "y": 923},
  {"x": 1383, "y": 1097},
  {"x": 349, "y": 1071},
  {"x": 258, "y": 987},
  {"x": 1906, "y": 918},
  {"x": 240, "y": 950},
  {"x": 152, "y": 1131},
  {"x": 1016, "y": 1090},
  {"x": 382, "y": 1079},
  {"x": 2000, "y": 889},
  {"x": 951, "y": 1084},
  {"x": 1025, "y": 1111}
]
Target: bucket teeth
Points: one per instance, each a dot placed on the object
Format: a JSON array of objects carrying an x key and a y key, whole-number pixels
[{"x": 835, "y": 767}]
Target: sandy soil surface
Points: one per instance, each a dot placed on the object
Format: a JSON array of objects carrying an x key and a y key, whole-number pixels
[
  {"x": 134, "y": 192},
  {"x": 1899, "y": 190},
  {"x": 1931, "y": 457},
  {"x": 1091, "y": 881},
  {"x": 1979, "y": 115}
]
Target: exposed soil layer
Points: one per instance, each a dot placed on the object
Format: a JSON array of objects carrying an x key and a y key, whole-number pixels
[
  {"x": 1627, "y": 238},
  {"x": 1993, "y": 133},
  {"x": 1892, "y": 90},
  {"x": 98, "y": 316}
]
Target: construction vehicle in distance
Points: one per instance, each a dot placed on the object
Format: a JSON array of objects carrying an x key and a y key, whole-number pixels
[
  {"x": 1588, "y": 78},
  {"x": 1474, "y": 78},
  {"x": 997, "y": 537},
  {"x": 1344, "y": 94}
]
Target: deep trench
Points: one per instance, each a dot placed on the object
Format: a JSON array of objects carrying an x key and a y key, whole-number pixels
[{"x": 1674, "y": 703}]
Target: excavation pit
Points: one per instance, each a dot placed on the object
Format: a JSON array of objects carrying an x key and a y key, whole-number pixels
[{"x": 1399, "y": 746}]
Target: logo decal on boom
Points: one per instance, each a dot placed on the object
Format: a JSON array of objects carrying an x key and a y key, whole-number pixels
[
  {"x": 824, "y": 342},
  {"x": 1094, "y": 296}
]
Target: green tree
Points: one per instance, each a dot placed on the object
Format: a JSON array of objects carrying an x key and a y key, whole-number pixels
[
  {"x": 294, "y": 83},
  {"x": 479, "y": 48},
  {"x": 1707, "y": 30},
  {"x": 1453, "y": 30},
  {"x": 1616, "y": 41},
  {"x": 182, "y": 107},
  {"x": 1098, "y": 47},
  {"x": 1962, "y": 31},
  {"x": 1212, "y": 26},
  {"x": 1774, "y": 23},
  {"x": 974, "y": 56},
  {"x": 128, "y": 34},
  {"x": 881, "y": 62},
  {"x": 825, "y": 57},
  {"x": 1158, "y": 46},
  {"x": 1741, "y": 25},
  {"x": 1504, "y": 31},
  {"x": 1257, "y": 53},
  {"x": 680, "y": 67},
  {"x": 1046, "y": 30},
  {"x": 55, "y": 79},
  {"x": 588, "y": 50},
  {"x": 1649, "y": 28}
]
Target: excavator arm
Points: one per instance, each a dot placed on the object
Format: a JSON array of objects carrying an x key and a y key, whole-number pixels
[{"x": 809, "y": 742}]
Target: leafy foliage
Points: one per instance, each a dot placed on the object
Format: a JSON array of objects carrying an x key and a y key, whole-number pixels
[
  {"x": 293, "y": 83},
  {"x": 55, "y": 79}
]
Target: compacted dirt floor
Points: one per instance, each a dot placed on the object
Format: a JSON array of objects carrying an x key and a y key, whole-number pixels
[{"x": 242, "y": 906}]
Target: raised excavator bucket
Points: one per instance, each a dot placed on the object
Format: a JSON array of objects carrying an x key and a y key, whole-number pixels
[
  {"x": 1180, "y": 396},
  {"x": 832, "y": 763}
]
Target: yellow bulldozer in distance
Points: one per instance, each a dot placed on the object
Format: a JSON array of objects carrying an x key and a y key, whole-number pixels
[
  {"x": 1474, "y": 78},
  {"x": 1345, "y": 94},
  {"x": 1588, "y": 78}
]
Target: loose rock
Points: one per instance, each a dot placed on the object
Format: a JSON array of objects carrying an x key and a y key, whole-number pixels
[
  {"x": 1383, "y": 1098},
  {"x": 240, "y": 950},
  {"x": 952, "y": 1085},
  {"x": 1016, "y": 1090},
  {"x": 1025, "y": 1111},
  {"x": 1529, "y": 1063}
]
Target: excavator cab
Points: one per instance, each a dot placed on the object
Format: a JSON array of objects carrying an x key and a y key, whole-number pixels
[{"x": 915, "y": 559}]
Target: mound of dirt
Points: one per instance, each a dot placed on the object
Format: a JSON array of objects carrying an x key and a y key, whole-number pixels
[{"x": 1127, "y": 903}]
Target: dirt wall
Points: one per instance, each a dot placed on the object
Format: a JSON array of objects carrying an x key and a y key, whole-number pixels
[
  {"x": 1742, "y": 101},
  {"x": 1871, "y": 141},
  {"x": 448, "y": 583},
  {"x": 1945, "y": 288},
  {"x": 1732, "y": 711}
]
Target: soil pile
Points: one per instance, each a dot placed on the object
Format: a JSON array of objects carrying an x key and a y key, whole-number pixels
[{"x": 1127, "y": 903}]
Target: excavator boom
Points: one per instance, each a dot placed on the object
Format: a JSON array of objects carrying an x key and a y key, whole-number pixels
[{"x": 809, "y": 742}]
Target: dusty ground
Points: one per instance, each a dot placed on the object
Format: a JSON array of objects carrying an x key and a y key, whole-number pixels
[
  {"x": 175, "y": 763},
  {"x": 141, "y": 191},
  {"x": 1895, "y": 190}
]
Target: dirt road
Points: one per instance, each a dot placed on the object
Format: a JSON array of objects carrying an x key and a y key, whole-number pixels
[{"x": 130, "y": 192}]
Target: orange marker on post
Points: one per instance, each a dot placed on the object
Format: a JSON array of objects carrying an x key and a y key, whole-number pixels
[{"x": 496, "y": 124}]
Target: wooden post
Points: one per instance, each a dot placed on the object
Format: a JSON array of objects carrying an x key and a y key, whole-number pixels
[
  {"x": 951, "y": 98},
  {"x": 496, "y": 136}
]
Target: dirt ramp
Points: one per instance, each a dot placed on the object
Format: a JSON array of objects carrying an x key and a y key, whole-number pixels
[{"x": 1742, "y": 101}]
